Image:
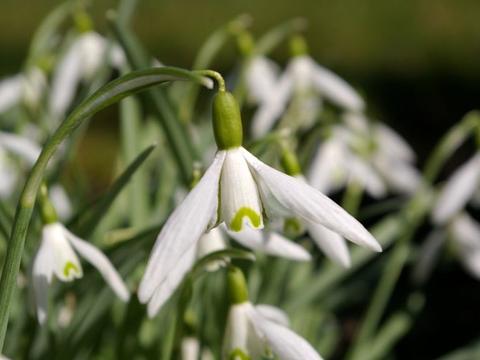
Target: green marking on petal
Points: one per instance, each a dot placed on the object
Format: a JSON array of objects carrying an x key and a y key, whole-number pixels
[
  {"x": 238, "y": 354},
  {"x": 237, "y": 223},
  {"x": 69, "y": 266}
]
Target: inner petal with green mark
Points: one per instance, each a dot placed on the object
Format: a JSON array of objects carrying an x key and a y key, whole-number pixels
[
  {"x": 252, "y": 216},
  {"x": 71, "y": 270}
]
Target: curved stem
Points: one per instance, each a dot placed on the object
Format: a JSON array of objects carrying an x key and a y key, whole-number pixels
[
  {"x": 105, "y": 96},
  {"x": 214, "y": 75}
]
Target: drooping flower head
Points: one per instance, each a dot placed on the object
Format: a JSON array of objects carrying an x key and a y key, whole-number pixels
[
  {"x": 57, "y": 256},
  {"x": 256, "y": 331},
  {"x": 240, "y": 191}
]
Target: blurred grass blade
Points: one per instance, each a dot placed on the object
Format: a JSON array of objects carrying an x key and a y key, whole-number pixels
[
  {"x": 42, "y": 39},
  {"x": 278, "y": 35},
  {"x": 90, "y": 219},
  {"x": 105, "y": 96},
  {"x": 181, "y": 145}
]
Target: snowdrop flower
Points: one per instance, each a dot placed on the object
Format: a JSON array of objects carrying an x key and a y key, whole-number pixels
[
  {"x": 256, "y": 331},
  {"x": 459, "y": 189},
  {"x": 22, "y": 147},
  {"x": 248, "y": 188},
  {"x": 302, "y": 76},
  {"x": 57, "y": 256},
  {"x": 27, "y": 87},
  {"x": 261, "y": 78},
  {"x": 465, "y": 231},
  {"x": 190, "y": 348},
  {"x": 81, "y": 61},
  {"x": 3, "y": 357}
]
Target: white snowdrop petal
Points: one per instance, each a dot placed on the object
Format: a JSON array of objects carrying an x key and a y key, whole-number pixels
[
  {"x": 240, "y": 202},
  {"x": 95, "y": 257},
  {"x": 270, "y": 243},
  {"x": 310, "y": 204},
  {"x": 272, "y": 108},
  {"x": 65, "y": 80},
  {"x": 190, "y": 348},
  {"x": 273, "y": 313},
  {"x": 392, "y": 143},
  {"x": 60, "y": 201},
  {"x": 457, "y": 191},
  {"x": 261, "y": 78},
  {"x": 335, "y": 88},
  {"x": 65, "y": 262},
  {"x": 42, "y": 277},
  {"x": 466, "y": 233},
  {"x": 183, "y": 228},
  {"x": 332, "y": 244},
  {"x": 210, "y": 242},
  {"x": 10, "y": 92},
  {"x": 171, "y": 282},
  {"x": 328, "y": 168},
  {"x": 361, "y": 172},
  {"x": 399, "y": 175},
  {"x": 240, "y": 334},
  {"x": 20, "y": 146},
  {"x": 284, "y": 343}
]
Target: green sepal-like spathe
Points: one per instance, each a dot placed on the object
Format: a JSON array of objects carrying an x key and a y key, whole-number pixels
[{"x": 227, "y": 122}]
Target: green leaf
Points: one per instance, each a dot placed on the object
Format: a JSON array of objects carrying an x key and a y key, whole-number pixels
[{"x": 87, "y": 223}]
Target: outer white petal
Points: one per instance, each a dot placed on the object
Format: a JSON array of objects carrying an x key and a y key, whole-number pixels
[
  {"x": 284, "y": 343},
  {"x": 261, "y": 78},
  {"x": 466, "y": 233},
  {"x": 311, "y": 205},
  {"x": 183, "y": 229},
  {"x": 171, "y": 282},
  {"x": 328, "y": 169},
  {"x": 42, "y": 277},
  {"x": 270, "y": 243},
  {"x": 101, "y": 263},
  {"x": 273, "y": 313},
  {"x": 20, "y": 146},
  {"x": 65, "y": 80},
  {"x": 272, "y": 108},
  {"x": 360, "y": 171},
  {"x": 60, "y": 201},
  {"x": 240, "y": 201},
  {"x": 332, "y": 244},
  {"x": 190, "y": 348},
  {"x": 399, "y": 175},
  {"x": 10, "y": 92},
  {"x": 2, "y": 357},
  {"x": 66, "y": 265},
  {"x": 458, "y": 190},
  {"x": 8, "y": 175},
  {"x": 335, "y": 88},
  {"x": 210, "y": 242},
  {"x": 392, "y": 143},
  {"x": 33, "y": 86}
]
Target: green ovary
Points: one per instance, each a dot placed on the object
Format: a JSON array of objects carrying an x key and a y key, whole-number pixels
[
  {"x": 69, "y": 267},
  {"x": 237, "y": 222}
]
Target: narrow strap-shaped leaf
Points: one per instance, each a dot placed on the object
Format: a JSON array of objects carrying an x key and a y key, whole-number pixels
[
  {"x": 181, "y": 144},
  {"x": 105, "y": 96},
  {"x": 87, "y": 223}
]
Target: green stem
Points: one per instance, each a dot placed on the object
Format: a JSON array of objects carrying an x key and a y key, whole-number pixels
[
  {"x": 352, "y": 197},
  {"x": 214, "y": 75}
]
